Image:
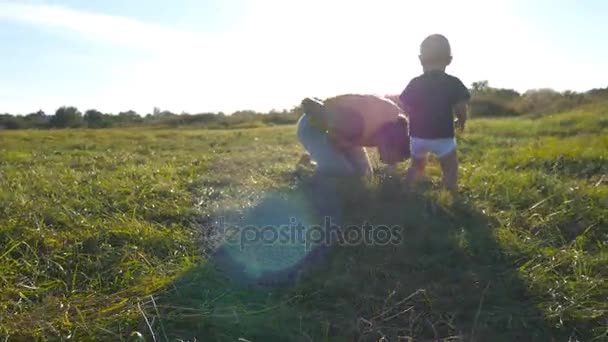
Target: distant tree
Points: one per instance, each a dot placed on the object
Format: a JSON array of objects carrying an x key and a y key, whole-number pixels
[
  {"x": 598, "y": 93},
  {"x": 129, "y": 113},
  {"x": 505, "y": 94},
  {"x": 480, "y": 86},
  {"x": 204, "y": 118},
  {"x": 66, "y": 117},
  {"x": 166, "y": 113},
  {"x": 492, "y": 102},
  {"x": 8, "y": 121},
  {"x": 484, "y": 107},
  {"x": 573, "y": 96},
  {"x": 244, "y": 113},
  {"x": 36, "y": 120},
  {"x": 95, "y": 119},
  {"x": 546, "y": 100},
  {"x": 129, "y": 117},
  {"x": 39, "y": 114},
  {"x": 156, "y": 111}
]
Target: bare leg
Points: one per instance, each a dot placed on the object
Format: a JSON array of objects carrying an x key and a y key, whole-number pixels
[
  {"x": 391, "y": 169},
  {"x": 416, "y": 169},
  {"x": 329, "y": 159},
  {"x": 449, "y": 170},
  {"x": 360, "y": 161}
]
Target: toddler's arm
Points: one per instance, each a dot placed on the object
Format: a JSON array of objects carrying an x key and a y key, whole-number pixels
[
  {"x": 461, "y": 98},
  {"x": 460, "y": 110}
]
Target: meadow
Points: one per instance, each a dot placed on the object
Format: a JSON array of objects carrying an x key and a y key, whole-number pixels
[{"x": 103, "y": 236}]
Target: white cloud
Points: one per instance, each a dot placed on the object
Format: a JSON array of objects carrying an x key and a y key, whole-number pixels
[
  {"x": 285, "y": 50},
  {"x": 113, "y": 29}
]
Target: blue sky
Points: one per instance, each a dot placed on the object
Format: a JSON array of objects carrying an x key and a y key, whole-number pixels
[{"x": 225, "y": 55}]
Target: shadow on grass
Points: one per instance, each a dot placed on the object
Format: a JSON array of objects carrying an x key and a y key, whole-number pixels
[{"x": 446, "y": 278}]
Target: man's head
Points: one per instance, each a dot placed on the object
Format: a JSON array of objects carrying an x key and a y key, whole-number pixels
[
  {"x": 394, "y": 141},
  {"x": 313, "y": 106},
  {"x": 317, "y": 112},
  {"x": 435, "y": 52}
]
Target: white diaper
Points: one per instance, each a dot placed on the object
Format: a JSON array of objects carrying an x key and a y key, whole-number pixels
[{"x": 440, "y": 147}]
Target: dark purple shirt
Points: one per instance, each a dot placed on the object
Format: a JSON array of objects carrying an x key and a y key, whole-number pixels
[{"x": 429, "y": 100}]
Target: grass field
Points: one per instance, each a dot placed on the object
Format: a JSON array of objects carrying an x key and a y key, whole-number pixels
[{"x": 102, "y": 238}]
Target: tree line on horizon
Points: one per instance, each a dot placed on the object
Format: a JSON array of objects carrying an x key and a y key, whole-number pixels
[
  {"x": 71, "y": 117},
  {"x": 486, "y": 101}
]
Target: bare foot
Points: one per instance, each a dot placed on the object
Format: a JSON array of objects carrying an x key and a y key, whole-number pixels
[{"x": 305, "y": 160}]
